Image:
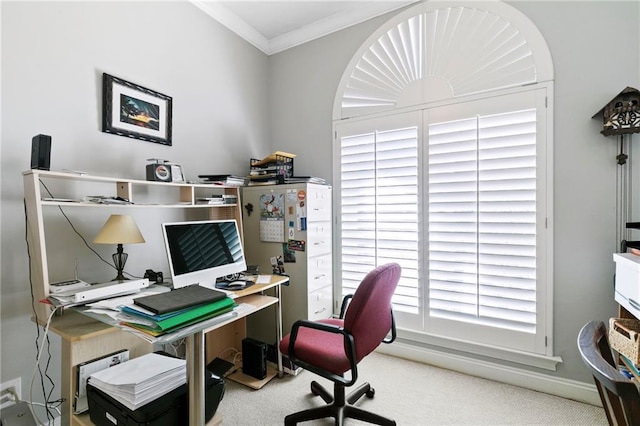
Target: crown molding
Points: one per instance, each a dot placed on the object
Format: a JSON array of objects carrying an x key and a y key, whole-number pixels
[
  {"x": 234, "y": 23},
  {"x": 333, "y": 23}
]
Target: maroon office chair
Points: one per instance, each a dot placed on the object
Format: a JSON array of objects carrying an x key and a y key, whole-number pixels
[
  {"x": 619, "y": 394},
  {"x": 332, "y": 347}
]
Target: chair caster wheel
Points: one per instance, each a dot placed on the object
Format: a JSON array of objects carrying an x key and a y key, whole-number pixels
[{"x": 370, "y": 393}]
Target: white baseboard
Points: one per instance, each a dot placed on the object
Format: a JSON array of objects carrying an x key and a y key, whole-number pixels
[{"x": 565, "y": 388}]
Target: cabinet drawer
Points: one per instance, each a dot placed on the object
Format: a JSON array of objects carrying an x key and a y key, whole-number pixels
[
  {"x": 320, "y": 302},
  {"x": 318, "y": 238},
  {"x": 319, "y": 272},
  {"x": 319, "y": 205},
  {"x": 319, "y": 212}
]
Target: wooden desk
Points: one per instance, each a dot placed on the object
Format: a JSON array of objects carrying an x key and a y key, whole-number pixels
[{"x": 85, "y": 338}]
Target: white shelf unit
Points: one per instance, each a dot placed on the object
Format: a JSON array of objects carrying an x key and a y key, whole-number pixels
[
  {"x": 84, "y": 338},
  {"x": 142, "y": 195}
]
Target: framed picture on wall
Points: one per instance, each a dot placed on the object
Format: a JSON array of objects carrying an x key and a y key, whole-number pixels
[{"x": 134, "y": 111}]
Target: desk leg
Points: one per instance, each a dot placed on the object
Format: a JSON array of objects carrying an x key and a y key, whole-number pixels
[
  {"x": 195, "y": 378},
  {"x": 279, "y": 330}
]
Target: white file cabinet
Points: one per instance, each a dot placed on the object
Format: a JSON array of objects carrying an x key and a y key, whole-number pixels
[{"x": 292, "y": 221}]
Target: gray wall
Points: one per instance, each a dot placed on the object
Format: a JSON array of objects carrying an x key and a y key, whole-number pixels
[
  {"x": 231, "y": 103},
  {"x": 53, "y": 57},
  {"x": 590, "y": 69}
]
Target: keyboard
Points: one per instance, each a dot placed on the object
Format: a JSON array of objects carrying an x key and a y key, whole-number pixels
[{"x": 244, "y": 309}]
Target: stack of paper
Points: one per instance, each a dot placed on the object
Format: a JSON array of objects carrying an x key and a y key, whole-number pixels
[{"x": 141, "y": 380}]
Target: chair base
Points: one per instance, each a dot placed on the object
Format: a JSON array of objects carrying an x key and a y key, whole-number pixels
[{"x": 340, "y": 407}]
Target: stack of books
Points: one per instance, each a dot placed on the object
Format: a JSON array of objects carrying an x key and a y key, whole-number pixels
[
  {"x": 218, "y": 199},
  {"x": 170, "y": 311},
  {"x": 305, "y": 179},
  {"x": 226, "y": 180}
]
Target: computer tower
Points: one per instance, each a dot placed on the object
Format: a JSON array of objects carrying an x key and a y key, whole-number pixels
[
  {"x": 41, "y": 152},
  {"x": 254, "y": 358}
]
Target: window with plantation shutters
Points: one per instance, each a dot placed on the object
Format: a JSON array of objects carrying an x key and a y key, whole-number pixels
[
  {"x": 443, "y": 163},
  {"x": 452, "y": 193},
  {"x": 379, "y": 208},
  {"x": 482, "y": 220}
]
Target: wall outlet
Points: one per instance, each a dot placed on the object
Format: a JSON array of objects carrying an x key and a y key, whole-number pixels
[{"x": 17, "y": 385}]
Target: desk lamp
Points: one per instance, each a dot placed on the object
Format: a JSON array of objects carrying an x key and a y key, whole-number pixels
[{"x": 119, "y": 229}]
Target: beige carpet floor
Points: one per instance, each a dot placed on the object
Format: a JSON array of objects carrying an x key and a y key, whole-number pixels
[{"x": 413, "y": 394}]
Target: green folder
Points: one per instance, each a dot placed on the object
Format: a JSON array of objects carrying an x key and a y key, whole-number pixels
[{"x": 188, "y": 317}]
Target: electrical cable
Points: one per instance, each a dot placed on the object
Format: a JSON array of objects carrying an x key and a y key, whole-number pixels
[
  {"x": 38, "y": 347},
  {"x": 37, "y": 366},
  {"x": 74, "y": 228},
  {"x": 80, "y": 235},
  {"x": 44, "y": 376}
]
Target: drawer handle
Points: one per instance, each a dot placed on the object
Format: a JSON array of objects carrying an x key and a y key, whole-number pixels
[
  {"x": 320, "y": 311},
  {"x": 317, "y": 277},
  {"x": 634, "y": 304}
]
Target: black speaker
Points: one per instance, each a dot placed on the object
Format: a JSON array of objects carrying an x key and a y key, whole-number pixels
[
  {"x": 254, "y": 358},
  {"x": 41, "y": 152}
]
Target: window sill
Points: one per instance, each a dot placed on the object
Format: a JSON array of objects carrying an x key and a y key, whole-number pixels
[{"x": 432, "y": 345}]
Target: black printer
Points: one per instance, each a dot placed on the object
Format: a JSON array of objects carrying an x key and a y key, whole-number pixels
[{"x": 171, "y": 409}]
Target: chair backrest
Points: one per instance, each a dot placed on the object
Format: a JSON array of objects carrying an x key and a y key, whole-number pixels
[
  {"x": 368, "y": 317},
  {"x": 619, "y": 394}
]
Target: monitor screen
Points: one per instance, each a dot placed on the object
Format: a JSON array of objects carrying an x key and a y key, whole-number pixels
[{"x": 201, "y": 251}]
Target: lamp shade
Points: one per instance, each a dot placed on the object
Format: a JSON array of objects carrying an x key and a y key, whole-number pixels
[{"x": 119, "y": 229}]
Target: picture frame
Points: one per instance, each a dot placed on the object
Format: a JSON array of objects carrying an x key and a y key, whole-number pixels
[{"x": 135, "y": 111}]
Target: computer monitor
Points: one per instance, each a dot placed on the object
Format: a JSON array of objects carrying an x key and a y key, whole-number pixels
[{"x": 199, "y": 252}]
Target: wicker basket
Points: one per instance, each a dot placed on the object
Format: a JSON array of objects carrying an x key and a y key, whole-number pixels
[{"x": 624, "y": 337}]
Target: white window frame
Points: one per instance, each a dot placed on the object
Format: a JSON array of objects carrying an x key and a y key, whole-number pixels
[
  {"x": 536, "y": 351},
  {"x": 395, "y": 72}
]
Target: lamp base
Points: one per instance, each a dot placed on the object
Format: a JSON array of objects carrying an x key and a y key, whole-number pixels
[{"x": 119, "y": 260}]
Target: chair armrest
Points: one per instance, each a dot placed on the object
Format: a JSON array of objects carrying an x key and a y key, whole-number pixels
[
  {"x": 393, "y": 329},
  {"x": 345, "y": 304},
  {"x": 349, "y": 346}
]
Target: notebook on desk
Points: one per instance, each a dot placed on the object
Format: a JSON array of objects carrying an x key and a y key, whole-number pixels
[{"x": 180, "y": 298}]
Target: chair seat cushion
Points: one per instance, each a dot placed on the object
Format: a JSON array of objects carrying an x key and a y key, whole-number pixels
[{"x": 320, "y": 348}]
